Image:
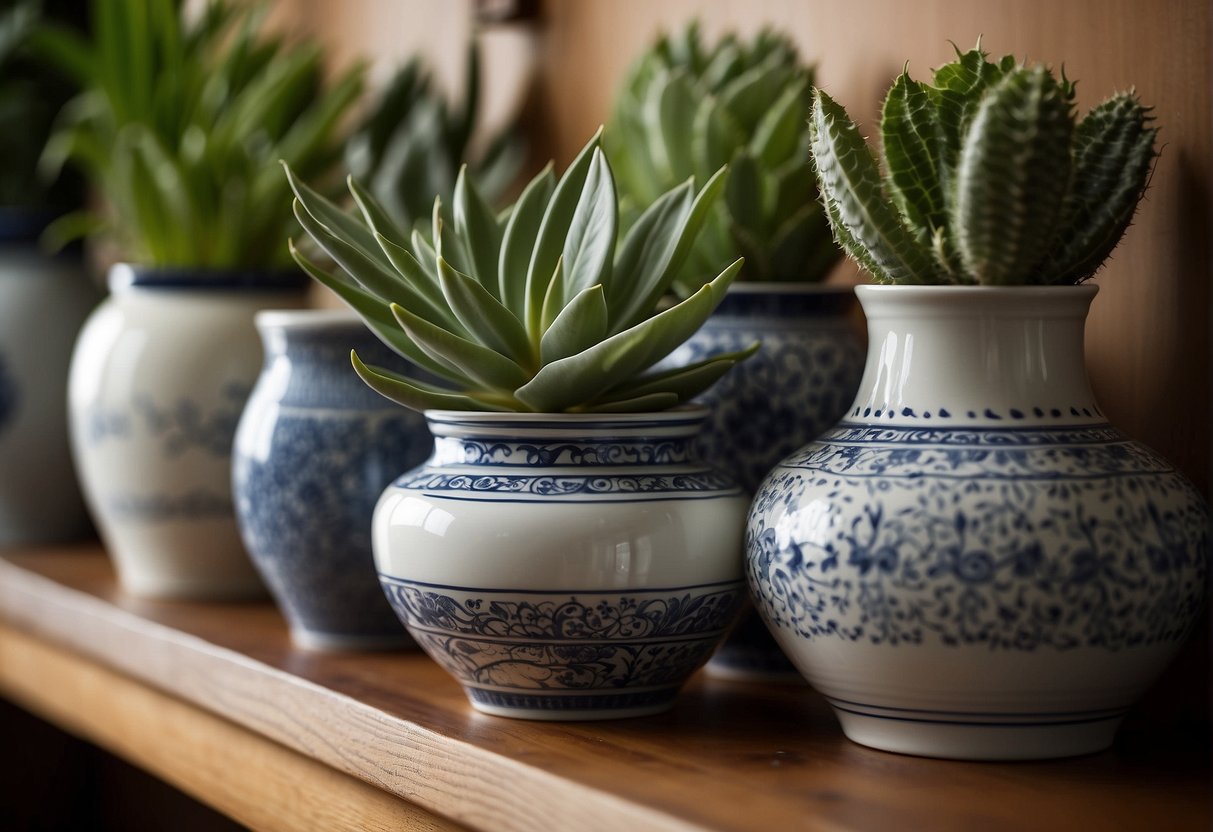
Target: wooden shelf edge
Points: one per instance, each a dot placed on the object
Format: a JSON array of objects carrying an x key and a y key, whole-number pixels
[
  {"x": 247, "y": 777},
  {"x": 439, "y": 774}
]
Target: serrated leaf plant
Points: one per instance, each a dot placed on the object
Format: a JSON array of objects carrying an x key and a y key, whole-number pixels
[
  {"x": 536, "y": 309},
  {"x": 179, "y": 125},
  {"x": 988, "y": 177},
  {"x": 410, "y": 144},
  {"x": 686, "y": 109}
]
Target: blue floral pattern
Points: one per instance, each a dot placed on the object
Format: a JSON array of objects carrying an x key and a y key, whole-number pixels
[
  {"x": 709, "y": 482},
  {"x": 1013, "y": 539},
  {"x": 518, "y": 643},
  {"x": 180, "y": 426},
  {"x": 461, "y": 451}
]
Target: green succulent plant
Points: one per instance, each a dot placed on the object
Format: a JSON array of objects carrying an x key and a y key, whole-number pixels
[
  {"x": 180, "y": 123},
  {"x": 987, "y": 176},
  {"x": 536, "y": 309},
  {"x": 410, "y": 144},
  {"x": 30, "y": 97},
  {"x": 686, "y": 109}
]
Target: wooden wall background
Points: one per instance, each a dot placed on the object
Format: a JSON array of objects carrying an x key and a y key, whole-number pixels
[{"x": 1148, "y": 339}]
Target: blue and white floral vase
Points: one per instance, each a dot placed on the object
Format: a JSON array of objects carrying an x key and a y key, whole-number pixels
[
  {"x": 159, "y": 377},
  {"x": 314, "y": 450},
  {"x": 43, "y": 303},
  {"x": 796, "y": 386},
  {"x": 564, "y": 567},
  {"x": 974, "y": 563}
]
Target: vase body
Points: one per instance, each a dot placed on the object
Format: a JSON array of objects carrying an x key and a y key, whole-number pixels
[
  {"x": 315, "y": 448},
  {"x": 798, "y": 384},
  {"x": 974, "y": 563},
  {"x": 564, "y": 567},
  {"x": 43, "y": 303},
  {"x": 159, "y": 377}
]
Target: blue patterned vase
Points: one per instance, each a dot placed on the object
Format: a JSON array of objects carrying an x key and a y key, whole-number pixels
[
  {"x": 974, "y": 563},
  {"x": 43, "y": 302},
  {"x": 564, "y": 567},
  {"x": 159, "y": 377},
  {"x": 314, "y": 450},
  {"x": 797, "y": 386}
]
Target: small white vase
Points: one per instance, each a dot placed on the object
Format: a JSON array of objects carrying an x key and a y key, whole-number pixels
[
  {"x": 564, "y": 567},
  {"x": 974, "y": 563},
  {"x": 43, "y": 302},
  {"x": 159, "y": 377}
]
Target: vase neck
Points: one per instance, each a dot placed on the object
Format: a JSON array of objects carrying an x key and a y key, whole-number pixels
[{"x": 970, "y": 355}]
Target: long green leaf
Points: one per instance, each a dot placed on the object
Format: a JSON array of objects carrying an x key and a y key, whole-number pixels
[
  {"x": 484, "y": 366},
  {"x": 912, "y": 139},
  {"x": 483, "y": 316},
  {"x": 413, "y": 394},
  {"x": 477, "y": 226},
  {"x": 685, "y": 381},
  {"x": 589, "y": 246},
  {"x": 519, "y": 240},
  {"x": 581, "y": 324}
]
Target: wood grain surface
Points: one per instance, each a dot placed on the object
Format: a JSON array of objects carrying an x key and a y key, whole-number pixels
[{"x": 729, "y": 756}]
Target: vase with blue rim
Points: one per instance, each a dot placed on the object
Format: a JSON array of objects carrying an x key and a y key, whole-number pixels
[
  {"x": 568, "y": 566},
  {"x": 44, "y": 300},
  {"x": 315, "y": 448},
  {"x": 159, "y": 377},
  {"x": 974, "y": 563},
  {"x": 798, "y": 384}
]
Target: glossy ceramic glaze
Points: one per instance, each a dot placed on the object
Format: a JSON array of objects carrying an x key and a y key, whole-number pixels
[
  {"x": 795, "y": 387},
  {"x": 43, "y": 302},
  {"x": 158, "y": 379},
  {"x": 314, "y": 450},
  {"x": 564, "y": 566},
  {"x": 974, "y": 563}
]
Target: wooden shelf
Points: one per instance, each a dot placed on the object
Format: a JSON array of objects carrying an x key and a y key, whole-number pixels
[{"x": 214, "y": 698}]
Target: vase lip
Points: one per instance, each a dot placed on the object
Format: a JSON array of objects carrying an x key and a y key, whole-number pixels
[
  {"x": 125, "y": 276},
  {"x": 976, "y": 301},
  {"x": 682, "y": 414},
  {"x": 307, "y": 319},
  {"x": 775, "y": 287}
]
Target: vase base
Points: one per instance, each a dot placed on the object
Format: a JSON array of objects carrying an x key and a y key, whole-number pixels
[
  {"x": 571, "y": 707},
  {"x": 993, "y": 738},
  {"x": 352, "y": 642}
]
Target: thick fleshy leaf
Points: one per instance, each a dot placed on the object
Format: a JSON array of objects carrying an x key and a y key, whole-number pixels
[
  {"x": 589, "y": 247},
  {"x": 485, "y": 366},
  {"x": 378, "y": 278},
  {"x": 483, "y": 316},
  {"x": 582, "y": 377},
  {"x": 412, "y": 393},
  {"x": 912, "y": 140},
  {"x": 476, "y": 225},
  {"x": 1011, "y": 178},
  {"x": 581, "y": 324},
  {"x": 850, "y": 182},
  {"x": 519, "y": 240},
  {"x": 354, "y": 233},
  {"x": 377, "y": 218},
  {"x": 685, "y": 381},
  {"x": 553, "y": 229},
  {"x": 649, "y": 403},
  {"x": 430, "y": 301},
  {"x": 778, "y": 133},
  {"x": 673, "y": 103}
]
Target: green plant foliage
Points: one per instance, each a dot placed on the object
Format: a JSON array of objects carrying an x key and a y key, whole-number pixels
[
  {"x": 986, "y": 178},
  {"x": 181, "y": 122},
  {"x": 410, "y": 144},
  {"x": 30, "y": 97},
  {"x": 541, "y": 309},
  {"x": 686, "y": 110}
]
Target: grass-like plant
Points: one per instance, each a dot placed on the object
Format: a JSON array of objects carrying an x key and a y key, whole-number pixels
[
  {"x": 536, "y": 309},
  {"x": 987, "y": 176},
  {"x": 180, "y": 124},
  {"x": 686, "y": 109},
  {"x": 411, "y": 142},
  {"x": 30, "y": 97}
]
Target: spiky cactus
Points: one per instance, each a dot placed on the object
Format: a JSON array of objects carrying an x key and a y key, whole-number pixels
[
  {"x": 409, "y": 145},
  {"x": 987, "y": 178},
  {"x": 531, "y": 310},
  {"x": 686, "y": 109}
]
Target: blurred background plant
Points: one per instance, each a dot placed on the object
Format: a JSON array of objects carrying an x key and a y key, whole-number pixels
[
  {"x": 179, "y": 125},
  {"x": 410, "y": 144},
  {"x": 30, "y": 97},
  {"x": 685, "y": 109}
]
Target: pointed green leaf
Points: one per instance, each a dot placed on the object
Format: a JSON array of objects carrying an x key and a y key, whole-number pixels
[
  {"x": 355, "y": 234},
  {"x": 686, "y": 382},
  {"x": 589, "y": 246},
  {"x": 378, "y": 279},
  {"x": 581, "y": 324},
  {"x": 649, "y": 403},
  {"x": 483, "y": 316},
  {"x": 778, "y": 133},
  {"x": 430, "y": 302},
  {"x": 479, "y": 363},
  {"x": 377, "y": 218},
  {"x": 411, "y": 393},
  {"x": 519, "y": 240},
  {"x": 553, "y": 301},
  {"x": 477, "y": 225},
  {"x": 912, "y": 141}
]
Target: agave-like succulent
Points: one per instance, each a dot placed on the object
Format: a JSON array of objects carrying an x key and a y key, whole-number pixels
[
  {"x": 533, "y": 310},
  {"x": 181, "y": 121},
  {"x": 987, "y": 178},
  {"x": 410, "y": 144},
  {"x": 686, "y": 109}
]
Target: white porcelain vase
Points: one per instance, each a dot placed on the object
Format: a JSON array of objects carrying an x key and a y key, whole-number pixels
[
  {"x": 974, "y": 563},
  {"x": 564, "y": 567},
  {"x": 159, "y": 378},
  {"x": 43, "y": 302}
]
